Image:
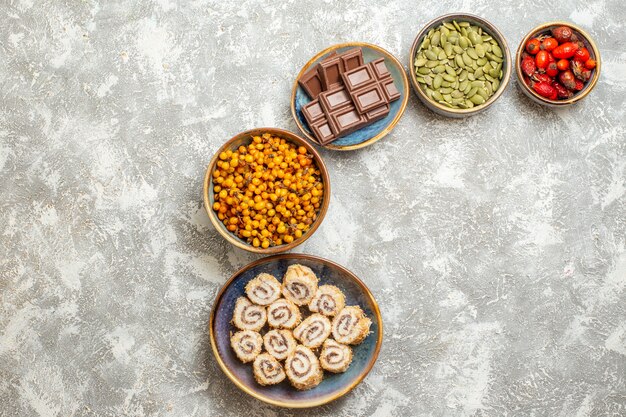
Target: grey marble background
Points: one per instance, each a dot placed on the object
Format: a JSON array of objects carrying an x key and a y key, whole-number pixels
[{"x": 495, "y": 245}]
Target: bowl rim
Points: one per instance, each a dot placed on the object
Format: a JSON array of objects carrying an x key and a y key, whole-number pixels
[
  {"x": 380, "y": 134},
  {"x": 311, "y": 403},
  {"x": 494, "y": 32},
  {"x": 290, "y": 136},
  {"x": 576, "y": 97}
]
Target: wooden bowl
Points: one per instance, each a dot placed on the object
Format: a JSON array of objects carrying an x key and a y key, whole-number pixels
[
  {"x": 244, "y": 138},
  {"x": 333, "y": 386},
  {"x": 594, "y": 53},
  {"x": 506, "y": 65}
]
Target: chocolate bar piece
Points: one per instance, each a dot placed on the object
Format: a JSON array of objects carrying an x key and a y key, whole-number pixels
[
  {"x": 377, "y": 113},
  {"x": 368, "y": 98},
  {"x": 335, "y": 99},
  {"x": 346, "y": 121},
  {"x": 352, "y": 58},
  {"x": 358, "y": 78},
  {"x": 313, "y": 111},
  {"x": 380, "y": 69},
  {"x": 330, "y": 71},
  {"x": 390, "y": 90},
  {"x": 323, "y": 131},
  {"x": 311, "y": 83}
]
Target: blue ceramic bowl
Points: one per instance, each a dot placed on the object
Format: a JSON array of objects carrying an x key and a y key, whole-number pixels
[
  {"x": 334, "y": 385},
  {"x": 371, "y": 133}
]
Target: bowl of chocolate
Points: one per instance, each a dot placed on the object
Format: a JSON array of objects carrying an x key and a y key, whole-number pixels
[{"x": 349, "y": 96}]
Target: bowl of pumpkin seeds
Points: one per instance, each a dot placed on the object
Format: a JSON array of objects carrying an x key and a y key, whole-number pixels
[{"x": 460, "y": 64}]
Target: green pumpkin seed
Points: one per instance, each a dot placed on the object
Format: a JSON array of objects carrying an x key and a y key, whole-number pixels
[
  {"x": 446, "y": 84},
  {"x": 463, "y": 42},
  {"x": 469, "y": 104},
  {"x": 434, "y": 40},
  {"x": 439, "y": 69},
  {"x": 470, "y": 76},
  {"x": 420, "y": 80},
  {"x": 466, "y": 59},
  {"x": 477, "y": 99},
  {"x": 483, "y": 93},
  {"x": 494, "y": 73},
  {"x": 464, "y": 24},
  {"x": 463, "y": 75},
  {"x": 496, "y": 50},
  {"x": 457, "y": 49},
  {"x": 445, "y": 103},
  {"x": 467, "y": 90},
  {"x": 448, "y": 25},
  {"x": 442, "y": 55},
  {"x": 428, "y": 79},
  {"x": 447, "y": 48},
  {"x": 480, "y": 51},
  {"x": 478, "y": 84},
  {"x": 447, "y": 98},
  {"x": 459, "y": 61},
  {"x": 471, "y": 92},
  {"x": 425, "y": 44},
  {"x": 437, "y": 81},
  {"x": 423, "y": 71},
  {"x": 437, "y": 95},
  {"x": 429, "y": 93},
  {"x": 472, "y": 53},
  {"x": 487, "y": 38},
  {"x": 420, "y": 62},
  {"x": 495, "y": 84},
  {"x": 463, "y": 85},
  {"x": 456, "y": 25},
  {"x": 449, "y": 78},
  {"x": 453, "y": 39},
  {"x": 489, "y": 89},
  {"x": 481, "y": 61},
  {"x": 450, "y": 71},
  {"x": 444, "y": 38},
  {"x": 456, "y": 94},
  {"x": 478, "y": 73},
  {"x": 430, "y": 54},
  {"x": 446, "y": 90}
]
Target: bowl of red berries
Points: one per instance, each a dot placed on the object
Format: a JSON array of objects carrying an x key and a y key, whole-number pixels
[{"x": 557, "y": 64}]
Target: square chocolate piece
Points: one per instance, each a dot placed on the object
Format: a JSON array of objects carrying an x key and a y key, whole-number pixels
[
  {"x": 377, "y": 113},
  {"x": 368, "y": 98},
  {"x": 335, "y": 99},
  {"x": 380, "y": 69},
  {"x": 390, "y": 90},
  {"x": 311, "y": 83},
  {"x": 346, "y": 121},
  {"x": 330, "y": 71},
  {"x": 352, "y": 58},
  {"x": 358, "y": 78},
  {"x": 323, "y": 131},
  {"x": 313, "y": 111}
]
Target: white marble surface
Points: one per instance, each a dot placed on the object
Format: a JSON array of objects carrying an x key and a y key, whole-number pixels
[{"x": 495, "y": 245}]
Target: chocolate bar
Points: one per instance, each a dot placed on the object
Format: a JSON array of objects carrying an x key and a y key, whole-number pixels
[
  {"x": 352, "y": 58},
  {"x": 358, "y": 77},
  {"x": 311, "y": 82},
  {"x": 368, "y": 98},
  {"x": 323, "y": 131},
  {"x": 330, "y": 71},
  {"x": 335, "y": 99},
  {"x": 390, "y": 90},
  {"x": 346, "y": 121},
  {"x": 377, "y": 113},
  {"x": 380, "y": 69},
  {"x": 313, "y": 111}
]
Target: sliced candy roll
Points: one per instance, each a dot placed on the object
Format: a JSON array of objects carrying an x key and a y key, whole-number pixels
[
  {"x": 335, "y": 357},
  {"x": 248, "y": 316},
  {"x": 351, "y": 326},
  {"x": 279, "y": 343},
  {"x": 313, "y": 330},
  {"x": 263, "y": 290},
  {"x": 299, "y": 284},
  {"x": 303, "y": 368},
  {"x": 247, "y": 345},
  {"x": 329, "y": 300},
  {"x": 282, "y": 313},
  {"x": 267, "y": 370}
]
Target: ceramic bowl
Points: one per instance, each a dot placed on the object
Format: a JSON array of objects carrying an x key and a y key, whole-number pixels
[
  {"x": 506, "y": 64},
  {"x": 368, "y": 134},
  {"x": 244, "y": 138},
  {"x": 593, "y": 52},
  {"x": 333, "y": 386}
]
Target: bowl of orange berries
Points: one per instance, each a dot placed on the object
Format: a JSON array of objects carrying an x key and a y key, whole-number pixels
[
  {"x": 557, "y": 64},
  {"x": 266, "y": 190}
]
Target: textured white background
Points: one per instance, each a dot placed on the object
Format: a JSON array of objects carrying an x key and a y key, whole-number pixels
[{"x": 496, "y": 245}]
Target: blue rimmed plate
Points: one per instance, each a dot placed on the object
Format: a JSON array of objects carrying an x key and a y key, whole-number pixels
[
  {"x": 334, "y": 385},
  {"x": 371, "y": 133}
]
